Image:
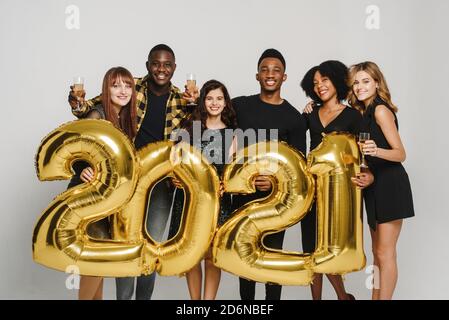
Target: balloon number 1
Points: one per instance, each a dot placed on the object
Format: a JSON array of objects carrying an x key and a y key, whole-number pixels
[
  {"x": 124, "y": 179},
  {"x": 339, "y": 248}
]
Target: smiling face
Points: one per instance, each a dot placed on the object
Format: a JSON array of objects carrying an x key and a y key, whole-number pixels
[
  {"x": 215, "y": 102},
  {"x": 323, "y": 87},
  {"x": 271, "y": 74},
  {"x": 120, "y": 92},
  {"x": 364, "y": 87},
  {"x": 161, "y": 66}
]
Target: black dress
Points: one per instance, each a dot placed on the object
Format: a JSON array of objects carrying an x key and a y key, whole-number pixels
[
  {"x": 216, "y": 150},
  {"x": 348, "y": 120},
  {"x": 389, "y": 198}
]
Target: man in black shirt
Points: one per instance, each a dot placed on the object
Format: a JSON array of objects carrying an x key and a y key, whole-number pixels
[
  {"x": 268, "y": 110},
  {"x": 160, "y": 109}
]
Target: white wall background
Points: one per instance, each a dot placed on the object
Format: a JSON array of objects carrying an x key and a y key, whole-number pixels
[{"x": 222, "y": 40}]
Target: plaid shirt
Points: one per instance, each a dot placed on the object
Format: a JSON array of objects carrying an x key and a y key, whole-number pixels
[{"x": 175, "y": 111}]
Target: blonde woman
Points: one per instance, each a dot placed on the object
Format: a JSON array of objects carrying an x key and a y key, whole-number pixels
[{"x": 389, "y": 199}]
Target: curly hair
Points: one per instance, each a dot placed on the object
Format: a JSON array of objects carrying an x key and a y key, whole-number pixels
[{"x": 336, "y": 71}]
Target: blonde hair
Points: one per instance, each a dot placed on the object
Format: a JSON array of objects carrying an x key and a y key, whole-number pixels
[{"x": 382, "y": 91}]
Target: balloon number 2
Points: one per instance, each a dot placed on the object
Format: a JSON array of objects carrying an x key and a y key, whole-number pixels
[{"x": 125, "y": 177}]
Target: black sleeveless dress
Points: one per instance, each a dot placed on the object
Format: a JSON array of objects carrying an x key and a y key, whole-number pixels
[
  {"x": 348, "y": 120},
  {"x": 216, "y": 150},
  {"x": 99, "y": 229},
  {"x": 389, "y": 198}
]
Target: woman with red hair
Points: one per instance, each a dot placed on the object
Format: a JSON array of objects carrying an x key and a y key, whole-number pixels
[{"x": 118, "y": 101}]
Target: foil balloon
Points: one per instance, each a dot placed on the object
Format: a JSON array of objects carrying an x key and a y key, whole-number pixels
[
  {"x": 339, "y": 246},
  {"x": 201, "y": 186},
  {"x": 125, "y": 178},
  {"x": 238, "y": 244},
  {"x": 60, "y": 238}
]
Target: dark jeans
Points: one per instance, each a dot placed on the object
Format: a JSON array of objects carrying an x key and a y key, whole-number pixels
[
  {"x": 157, "y": 216},
  {"x": 272, "y": 291}
]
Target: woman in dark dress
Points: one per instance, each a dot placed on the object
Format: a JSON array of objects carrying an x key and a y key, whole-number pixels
[
  {"x": 118, "y": 95},
  {"x": 214, "y": 115},
  {"x": 389, "y": 199},
  {"x": 326, "y": 85}
]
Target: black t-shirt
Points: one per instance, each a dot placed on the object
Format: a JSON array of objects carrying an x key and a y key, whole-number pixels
[
  {"x": 253, "y": 113},
  {"x": 153, "y": 123}
]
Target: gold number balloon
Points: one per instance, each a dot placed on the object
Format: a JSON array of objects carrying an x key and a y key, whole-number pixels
[
  {"x": 124, "y": 179},
  {"x": 201, "y": 186},
  {"x": 121, "y": 190},
  {"x": 339, "y": 205},
  {"x": 238, "y": 244},
  {"x": 59, "y": 237}
]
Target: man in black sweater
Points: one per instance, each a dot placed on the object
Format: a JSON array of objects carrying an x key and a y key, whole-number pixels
[{"x": 268, "y": 110}]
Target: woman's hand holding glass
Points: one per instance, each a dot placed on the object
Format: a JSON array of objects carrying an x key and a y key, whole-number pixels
[
  {"x": 77, "y": 93},
  {"x": 369, "y": 148}
]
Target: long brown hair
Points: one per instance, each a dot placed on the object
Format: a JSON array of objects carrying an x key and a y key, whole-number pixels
[
  {"x": 128, "y": 117},
  {"x": 228, "y": 115},
  {"x": 374, "y": 71}
]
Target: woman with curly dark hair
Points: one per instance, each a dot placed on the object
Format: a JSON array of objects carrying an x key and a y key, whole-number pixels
[
  {"x": 326, "y": 85},
  {"x": 215, "y": 120}
]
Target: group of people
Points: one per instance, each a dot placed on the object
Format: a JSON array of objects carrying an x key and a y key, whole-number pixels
[{"x": 151, "y": 109}]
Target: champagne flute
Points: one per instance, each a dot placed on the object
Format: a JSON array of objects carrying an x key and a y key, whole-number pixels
[
  {"x": 363, "y": 136},
  {"x": 191, "y": 86},
  {"x": 78, "y": 89}
]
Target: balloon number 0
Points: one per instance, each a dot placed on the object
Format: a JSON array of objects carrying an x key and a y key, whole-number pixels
[{"x": 124, "y": 179}]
